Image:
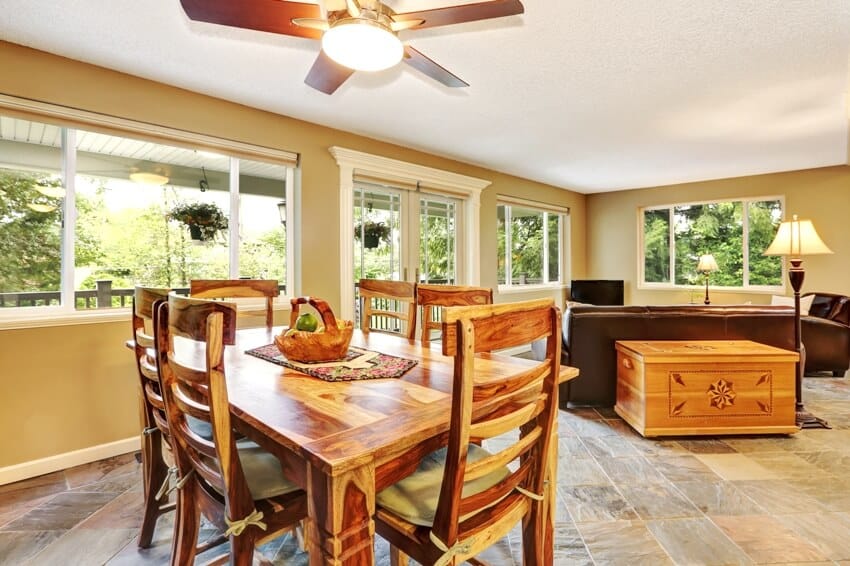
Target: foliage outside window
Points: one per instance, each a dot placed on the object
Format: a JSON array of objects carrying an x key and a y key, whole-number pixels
[
  {"x": 126, "y": 233},
  {"x": 530, "y": 245},
  {"x": 736, "y": 233}
]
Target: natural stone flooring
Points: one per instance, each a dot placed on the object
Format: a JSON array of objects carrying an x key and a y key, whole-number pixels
[{"x": 622, "y": 500}]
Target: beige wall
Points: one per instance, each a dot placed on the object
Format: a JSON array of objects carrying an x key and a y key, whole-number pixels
[
  {"x": 74, "y": 386},
  {"x": 822, "y": 195}
]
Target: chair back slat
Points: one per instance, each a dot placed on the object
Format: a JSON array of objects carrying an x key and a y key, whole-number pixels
[
  {"x": 188, "y": 317},
  {"x": 238, "y": 289},
  {"x": 491, "y": 333},
  {"x": 145, "y": 300},
  {"x": 432, "y": 298},
  {"x": 524, "y": 403},
  {"x": 394, "y": 300}
]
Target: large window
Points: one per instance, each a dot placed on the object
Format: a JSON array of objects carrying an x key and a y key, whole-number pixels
[
  {"x": 735, "y": 232},
  {"x": 85, "y": 216},
  {"x": 531, "y": 244}
]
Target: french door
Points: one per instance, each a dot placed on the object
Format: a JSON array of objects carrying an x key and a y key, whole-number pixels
[{"x": 405, "y": 235}]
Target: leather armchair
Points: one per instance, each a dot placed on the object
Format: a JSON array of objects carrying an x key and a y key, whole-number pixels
[{"x": 826, "y": 334}]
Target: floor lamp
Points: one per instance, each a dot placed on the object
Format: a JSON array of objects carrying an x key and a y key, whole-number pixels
[{"x": 795, "y": 239}]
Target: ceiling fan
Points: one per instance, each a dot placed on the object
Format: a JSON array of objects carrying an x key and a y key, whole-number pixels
[{"x": 355, "y": 34}]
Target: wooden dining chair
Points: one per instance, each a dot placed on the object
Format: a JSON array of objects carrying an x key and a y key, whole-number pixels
[
  {"x": 432, "y": 298},
  {"x": 237, "y": 289},
  {"x": 462, "y": 498},
  {"x": 383, "y": 299},
  {"x": 235, "y": 484},
  {"x": 155, "y": 435}
]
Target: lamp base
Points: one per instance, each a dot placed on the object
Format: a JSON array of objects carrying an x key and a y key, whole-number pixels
[{"x": 805, "y": 419}]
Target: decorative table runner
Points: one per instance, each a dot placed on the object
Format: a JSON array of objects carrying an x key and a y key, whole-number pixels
[{"x": 358, "y": 364}]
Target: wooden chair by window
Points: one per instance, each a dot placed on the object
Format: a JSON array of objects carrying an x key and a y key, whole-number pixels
[
  {"x": 462, "y": 498},
  {"x": 236, "y": 485},
  {"x": 237, "y": 289},
  {"x": 388, "y": 306},
  {"x": 155, "y": 472},
  {"x": 431, "y": 298}
]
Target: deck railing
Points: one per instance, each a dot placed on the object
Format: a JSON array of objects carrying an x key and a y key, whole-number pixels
[{"x": 103, "y": 296}]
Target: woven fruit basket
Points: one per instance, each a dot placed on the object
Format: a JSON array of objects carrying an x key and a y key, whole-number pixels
[{"x": 324, "y": 345}]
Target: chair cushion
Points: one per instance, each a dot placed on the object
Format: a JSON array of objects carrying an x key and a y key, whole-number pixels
[
  {"x": 415, "y": 497},
  {"x": 199, "y": 427},
  {"x": 262, "y": 471}
]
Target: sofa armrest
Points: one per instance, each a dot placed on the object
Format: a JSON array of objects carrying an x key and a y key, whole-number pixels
[{"x": 827, "y": 345}]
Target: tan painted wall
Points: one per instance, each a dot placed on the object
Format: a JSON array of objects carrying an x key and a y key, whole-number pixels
[
  {"x": 83, "y": 392},
  {"x": 822, "y": 195}
]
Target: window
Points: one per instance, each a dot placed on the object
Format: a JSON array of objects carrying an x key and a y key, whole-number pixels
[
  {"x": 531, "y": 244},
  {"x": 735, "y": 232},
  {"x": 86, "y": 216}
]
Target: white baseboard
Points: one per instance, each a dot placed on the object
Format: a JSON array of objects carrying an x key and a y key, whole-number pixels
[{"x": 26, "y": 470}]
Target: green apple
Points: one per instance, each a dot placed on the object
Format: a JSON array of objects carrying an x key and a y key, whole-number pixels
[{"x": 307, "y": 322}]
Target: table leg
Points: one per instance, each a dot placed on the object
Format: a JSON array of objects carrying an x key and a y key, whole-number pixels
[
  {"x": 340, "y": 510},
  {"x": 550, "y": 505}
]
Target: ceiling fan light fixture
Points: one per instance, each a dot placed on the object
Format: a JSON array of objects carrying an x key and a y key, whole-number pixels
[
  {"x": 362, "y": 44},
  {"x": 146, "y": 178}
]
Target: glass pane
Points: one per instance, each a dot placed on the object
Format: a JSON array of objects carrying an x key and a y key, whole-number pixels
[
  {"x": 262, "y": 232},
  {"x": 437, "y": 241},
  {"x": 527, "y": 246},
  {"x": 713, "y": 228},
  {"x": 500, "y": 253},
  {"x": 764, "y": 219},
  {"x": 31, "y": 198},
  {"x": 377, "y": 237},
  {"x": 148, "y": 214},
  {"x": 656, "y": 246},
  {"x": 554, "y": 256}
]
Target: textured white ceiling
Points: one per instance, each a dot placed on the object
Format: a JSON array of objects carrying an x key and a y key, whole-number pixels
[{"x": 589, "y": 96}]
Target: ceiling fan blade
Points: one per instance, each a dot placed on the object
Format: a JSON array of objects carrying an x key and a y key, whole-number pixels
[
  {"x": 326, "y": 74},
  {"x": 425, "y": 65},
  {"x": 262, "y": 15},
  {"x": 312, "y": 23},
  {"x": 401, "y": 26},
  {"x": 464, "y": 13}
]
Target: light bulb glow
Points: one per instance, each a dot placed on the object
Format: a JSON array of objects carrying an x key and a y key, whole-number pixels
[
  {"x": 148, "y": 178},
  {"x": 362, "y": 45}
]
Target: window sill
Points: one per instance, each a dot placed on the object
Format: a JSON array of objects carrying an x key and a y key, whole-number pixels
[{"x": 712, "y": 289}]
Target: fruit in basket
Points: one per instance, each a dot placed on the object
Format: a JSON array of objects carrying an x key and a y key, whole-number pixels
[{"x": 307, "y": 322}]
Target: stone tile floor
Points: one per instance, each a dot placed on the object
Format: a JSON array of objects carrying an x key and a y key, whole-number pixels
[{"x": 622, "y": 499}]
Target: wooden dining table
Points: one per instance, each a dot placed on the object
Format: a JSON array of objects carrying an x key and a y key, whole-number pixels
[{"x": 344, "y": 441}]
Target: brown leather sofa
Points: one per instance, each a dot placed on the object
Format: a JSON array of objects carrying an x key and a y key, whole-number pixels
[
  {"x": 826, "y": 334},
  {"x": 589, "y": 333}
]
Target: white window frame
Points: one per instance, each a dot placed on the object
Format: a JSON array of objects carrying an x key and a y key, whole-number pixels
[
  {"x": 71, "y": 120},
  {"x": 641, "y": 263},
  {"x": 563, "y": 223},
  {"x": 403, "y": 174}
]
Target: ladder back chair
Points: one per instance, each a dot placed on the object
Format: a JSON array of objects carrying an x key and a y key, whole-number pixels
[
  {"x": 155, "y": 471},
  {"x": 235, "y": 484},
  {"x": 432, "y": 298},
  {"x": 462, "y": 498},
  {"x": 394, "y": 300},
  {"x": 237, "y": 289}
]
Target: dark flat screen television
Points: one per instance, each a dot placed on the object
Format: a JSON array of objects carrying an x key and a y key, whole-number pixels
[{"x": 597, "y": 291}]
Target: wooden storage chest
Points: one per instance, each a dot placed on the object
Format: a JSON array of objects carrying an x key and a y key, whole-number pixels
[{"x": 705, "y": 387}]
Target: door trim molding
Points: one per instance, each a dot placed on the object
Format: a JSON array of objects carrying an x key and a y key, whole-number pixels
[{"x": 352, "y": 163}]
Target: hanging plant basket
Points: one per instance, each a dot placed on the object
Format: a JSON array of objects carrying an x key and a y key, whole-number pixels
[
  {"x": 372, "y": 233},
  {"x": 204, "y": 219}
]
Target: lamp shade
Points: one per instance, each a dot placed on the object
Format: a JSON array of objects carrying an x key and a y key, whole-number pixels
[
  {"x": 707, "y": 264},
  {"x": 362, "y": 45},
  {"x": 796, "y": 238}
]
